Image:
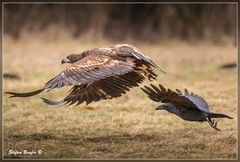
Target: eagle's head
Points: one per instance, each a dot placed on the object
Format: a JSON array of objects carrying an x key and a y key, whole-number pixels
[{"x": 71, "y": 58}]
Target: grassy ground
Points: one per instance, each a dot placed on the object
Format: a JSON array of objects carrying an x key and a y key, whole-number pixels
[{"x": 127, "y": 127}]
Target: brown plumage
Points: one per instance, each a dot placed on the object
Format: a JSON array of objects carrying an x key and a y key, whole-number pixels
[{"x": 101, "y": 73}]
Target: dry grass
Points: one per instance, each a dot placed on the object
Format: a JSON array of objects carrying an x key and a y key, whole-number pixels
[{"x": 127, "y": 127}]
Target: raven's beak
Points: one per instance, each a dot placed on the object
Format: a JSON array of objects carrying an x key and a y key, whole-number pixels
[
  {"x": 65, "y": 60},
  {"x": 159, "y": 107}
]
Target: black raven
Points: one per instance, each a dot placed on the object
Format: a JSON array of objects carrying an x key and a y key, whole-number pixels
[{"x": 187, "y": 106}]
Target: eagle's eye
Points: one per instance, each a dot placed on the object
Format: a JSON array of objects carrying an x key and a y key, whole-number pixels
[
  {"x": 72, "y": 57},
  {"x": 69, "y": 57}
]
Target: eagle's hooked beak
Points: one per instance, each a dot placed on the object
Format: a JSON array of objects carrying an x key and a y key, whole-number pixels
[{"x": 65, "y": 60}]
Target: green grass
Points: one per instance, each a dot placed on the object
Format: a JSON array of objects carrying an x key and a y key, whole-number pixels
[{"x": 123, "y": 128}]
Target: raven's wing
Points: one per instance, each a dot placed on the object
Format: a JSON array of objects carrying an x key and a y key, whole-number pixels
[
  {"x": 108, "y": 88},
  {"x": 199, "y": 102},
  {"x": 168, "y": 96}
]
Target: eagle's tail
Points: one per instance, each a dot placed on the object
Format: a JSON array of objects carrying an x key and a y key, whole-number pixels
[
  {"x": 215, "y": 115},
  {"x": 28, "y": 94},
  {"x": 52, "y": 102}
]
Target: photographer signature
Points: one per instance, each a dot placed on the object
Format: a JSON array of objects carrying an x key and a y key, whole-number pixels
[{"x": 24, "y": 152}]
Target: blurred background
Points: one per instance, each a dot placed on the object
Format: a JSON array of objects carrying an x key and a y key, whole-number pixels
[
  {"x": 194, "y": 43},
  {"x": 139, "y": 22}
]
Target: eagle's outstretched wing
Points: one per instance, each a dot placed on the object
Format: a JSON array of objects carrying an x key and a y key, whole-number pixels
[
  {"x": 126, "y": 50},
  {"x": 90, "y": 69},
  {"x": 111, "y": 87},
  {"x": 85, "y": 71}
]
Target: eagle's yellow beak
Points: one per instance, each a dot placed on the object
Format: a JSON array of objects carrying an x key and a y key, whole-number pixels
[{"x": 65, "y": 60}]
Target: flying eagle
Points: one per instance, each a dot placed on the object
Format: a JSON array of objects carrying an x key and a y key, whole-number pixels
[
  {"x": 100, "y": 73},
  {"x": 187, "y": 106}
]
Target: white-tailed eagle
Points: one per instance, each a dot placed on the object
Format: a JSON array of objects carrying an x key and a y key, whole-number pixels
[{"x": 100, "y": 73}]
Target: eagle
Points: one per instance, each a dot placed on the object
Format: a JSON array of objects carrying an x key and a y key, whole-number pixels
[
  {"x": 99, "y": 74},
  {"x": 188, "y": 106}
]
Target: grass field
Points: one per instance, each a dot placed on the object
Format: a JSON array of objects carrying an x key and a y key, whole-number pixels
[{"x": 123, "y": 128}]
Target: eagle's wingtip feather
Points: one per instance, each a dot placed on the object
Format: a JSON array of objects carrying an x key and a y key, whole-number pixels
[{"x": 50, "y": 102}]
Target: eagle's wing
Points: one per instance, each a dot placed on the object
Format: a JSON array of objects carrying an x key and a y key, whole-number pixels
[
  {"x": 111, "y": 87},
  {"x": 90, "y": 69},
  {"x": 178, "y": 99},
  {"x": 132, "y": 51}
]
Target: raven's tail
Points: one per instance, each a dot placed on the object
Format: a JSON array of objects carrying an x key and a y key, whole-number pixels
[
  {"x": 28, "y": 94},
  {"x": 215, "y": 115}
]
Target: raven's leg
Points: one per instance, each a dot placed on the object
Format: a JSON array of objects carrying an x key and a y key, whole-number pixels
[{"x": 212, "y": 123}]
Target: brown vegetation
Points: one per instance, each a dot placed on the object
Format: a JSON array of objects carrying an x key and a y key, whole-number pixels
[{"x": 127, "y": 127}]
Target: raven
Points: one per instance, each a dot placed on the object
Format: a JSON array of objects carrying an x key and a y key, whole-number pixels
[{"x": 187, "y": 106}]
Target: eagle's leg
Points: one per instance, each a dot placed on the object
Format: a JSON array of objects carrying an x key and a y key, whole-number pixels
[{"x": 212, "y": 123}]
